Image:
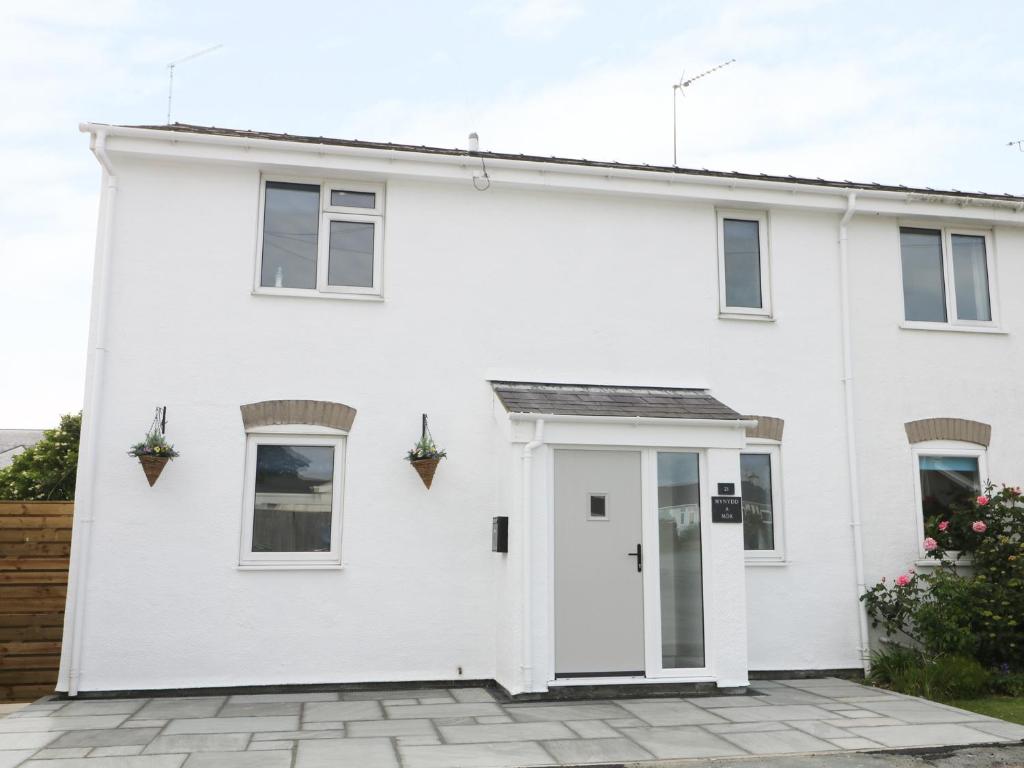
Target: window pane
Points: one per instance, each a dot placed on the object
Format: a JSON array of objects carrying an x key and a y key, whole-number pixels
[
  {"x": 970, "y": 278},
  {"x": 351, "y": 256},
  {"x": 758, "y": 523},
  {"x": 291, "y": 217},
  {"x": 347, "y": 199},
  {"x": 294, "y": 489},
  {"x": 924, "y": 289},
  {"x": 742, "y": 251},
  {"x": 947, "y": 481},
  {"x": 682, "y": 597}
]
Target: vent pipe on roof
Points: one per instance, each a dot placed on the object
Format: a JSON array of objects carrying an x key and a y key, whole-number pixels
[{"x": 474, "y": 142}]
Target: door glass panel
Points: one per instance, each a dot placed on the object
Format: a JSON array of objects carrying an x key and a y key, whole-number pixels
[{"x": 682, "y": 596}]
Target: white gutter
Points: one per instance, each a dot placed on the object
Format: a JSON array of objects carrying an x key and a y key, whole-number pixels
[
  {"x": 851, "y": 431},
  {"x": 526, "y": 571},
  {"x": 85, "y": 496},
  {"x": 635, "y": 420},
  {"x": 548, "y": 172}
]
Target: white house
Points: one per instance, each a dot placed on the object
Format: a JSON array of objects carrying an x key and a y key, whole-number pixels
[{"x": 612, "y": 356}]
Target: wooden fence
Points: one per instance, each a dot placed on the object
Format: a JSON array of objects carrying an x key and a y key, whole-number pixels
[{"x": 35, "y": 546}]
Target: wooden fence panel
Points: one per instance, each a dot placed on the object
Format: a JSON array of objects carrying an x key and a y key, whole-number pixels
[{"x": 35, "y": 547}]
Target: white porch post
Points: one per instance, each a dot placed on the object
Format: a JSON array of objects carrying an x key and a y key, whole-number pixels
[{"x": 727, "y": 610}]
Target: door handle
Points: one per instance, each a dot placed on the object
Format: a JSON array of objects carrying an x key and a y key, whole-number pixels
[{"x": 639, "y": 555}]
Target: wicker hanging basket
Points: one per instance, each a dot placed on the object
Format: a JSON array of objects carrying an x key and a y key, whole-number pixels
[
  {"x": 425, "y": 468},
  {"x": 153, "y": 466}
]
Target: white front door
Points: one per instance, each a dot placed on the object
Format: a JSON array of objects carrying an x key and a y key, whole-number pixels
[{"x": 599, "y": 607}]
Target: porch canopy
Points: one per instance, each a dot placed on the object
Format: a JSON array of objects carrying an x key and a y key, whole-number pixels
[{"x": 612, "y": 401}]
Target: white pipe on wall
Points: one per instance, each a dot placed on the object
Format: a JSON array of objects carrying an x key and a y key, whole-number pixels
[
  {"x": 85, "y": 496},
  {"x": 525, "y": 572},
  {"x": 851, "y": 432}
]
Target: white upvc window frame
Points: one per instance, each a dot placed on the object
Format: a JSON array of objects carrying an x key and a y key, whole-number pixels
[
  {"x": 292, "y": 435},
  {"x": 329, "y": 213},
  {"x": 951, "y": 448},
  {"x": 777, "y": 555},
  {"x": 953, "y": 322},
  {"x": 764, "y": 312}
]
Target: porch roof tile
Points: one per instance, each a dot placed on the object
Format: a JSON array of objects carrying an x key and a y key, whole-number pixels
[{"x": 603, "y": 400}]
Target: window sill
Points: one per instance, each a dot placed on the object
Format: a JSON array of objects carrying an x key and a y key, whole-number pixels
[
  {"x": 290, "y": 567},
  {"x": 313, "y": 294},
  {"x": 910, "y": 326},
  {"x": 743, "y": 316}
]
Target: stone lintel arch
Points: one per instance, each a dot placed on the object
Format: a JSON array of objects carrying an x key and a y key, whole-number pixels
[
  {"x": 964, "y": 430},
  {"x": 320, "y": 413},
  {"x": 768, "y": 428}
]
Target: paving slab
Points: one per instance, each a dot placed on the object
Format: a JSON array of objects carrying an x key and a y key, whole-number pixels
[
  {"x": 11, "y": 758},
  {"x": 358, "y": 753},
  {"x": 340, "y": 711},
  {"x": 11, "y": 741},
  {"x": 501, "y": 755},
  {"x": 365, "y": 728},
  {"x": 471, "y": 695},
  {"x": 563, "y": 712},
  {"x": 274, "y": 698},
  {"x": 776, "y": 742},
  {"x": 169, "y": 709},
  {"x": 925, "y": 735},
  {"x": 78, "y": 723},
  {"x": 671, "y": 712},
  {"x": 137, "y": 761},
  {"x": 261, "y": 708},
  {"x": 231, "y": 724},
  {"x": 109, "y": 737},
  {"x": 682, "y": 742},
  {"x": 579, "y": 751},
  {"x": 472, "y": 709},
  {"x": 764, "y": 714},
  {"x": 269, "y": 759},
  {"x": 198, "y": 742},
  {"x": 481, "y": 734}
]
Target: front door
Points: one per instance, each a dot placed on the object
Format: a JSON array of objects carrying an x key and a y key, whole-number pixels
[{"x": 599, "y": 610}]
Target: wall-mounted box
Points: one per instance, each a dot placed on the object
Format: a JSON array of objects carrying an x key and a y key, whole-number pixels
[{"x": 499, "y": 534}]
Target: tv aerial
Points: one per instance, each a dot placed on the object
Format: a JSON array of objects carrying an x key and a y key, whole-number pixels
[
  {"x": 679, "y": 88},
  {"x": 170, "y": 73}
]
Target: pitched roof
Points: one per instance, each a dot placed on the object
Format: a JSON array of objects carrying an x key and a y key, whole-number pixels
[
  {"x": 600, "y": 400},
  {"x": 14, "y": 441},
  {"x": 422, "y": 149}
]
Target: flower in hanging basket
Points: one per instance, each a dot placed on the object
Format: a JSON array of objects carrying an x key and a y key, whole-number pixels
[
  {"x": 424, "y": 457},
  {"x": 153, "y": 454}
]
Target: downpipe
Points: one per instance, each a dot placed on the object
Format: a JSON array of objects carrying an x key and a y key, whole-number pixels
[
  {"x": 851, "y": 432},
  {"x": 85, "y": 497}
]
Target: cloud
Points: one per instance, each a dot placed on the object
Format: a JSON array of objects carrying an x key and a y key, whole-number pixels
[{"x": 539, "y": 19}]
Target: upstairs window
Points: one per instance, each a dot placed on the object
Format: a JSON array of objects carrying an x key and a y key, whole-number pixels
[
  {"x": 320, "y": 238},
  {"x": 946, "y": 276},
  {"x": 743, "y": 264}
]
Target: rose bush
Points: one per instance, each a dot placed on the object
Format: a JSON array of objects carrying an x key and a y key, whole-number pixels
[{"x": 972, "y": 603}]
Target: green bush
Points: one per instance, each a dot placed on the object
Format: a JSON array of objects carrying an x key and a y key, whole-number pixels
[
  {"x": 972, "y": 603},
  {"x": 46, "y": 470},
  {"x": 942, "y": 678}
]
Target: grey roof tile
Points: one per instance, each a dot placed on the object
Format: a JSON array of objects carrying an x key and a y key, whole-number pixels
[{"x": 601, "y": 400}]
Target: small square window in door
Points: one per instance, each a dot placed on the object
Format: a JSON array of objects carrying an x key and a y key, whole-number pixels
[{"x": 598, "y": 506}]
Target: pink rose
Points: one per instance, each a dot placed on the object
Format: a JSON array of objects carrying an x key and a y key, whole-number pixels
[
  {"x": 930, "y": 544},
  {"x": 982, "y": 501},
  {"x": 978, "y": 526},
  {"x": 902, "y": 581},
  {"x": 944, "y": 525}
]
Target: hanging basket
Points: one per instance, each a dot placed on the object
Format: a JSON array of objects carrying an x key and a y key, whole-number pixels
[
  {"x": 425, "y": 468},
  {"x": 153, "y": 466}
]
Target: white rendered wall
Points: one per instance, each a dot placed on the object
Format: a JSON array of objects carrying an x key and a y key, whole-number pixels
[
  {"x": 903, "y": 375},
  {"x": 606, "y": 287}
]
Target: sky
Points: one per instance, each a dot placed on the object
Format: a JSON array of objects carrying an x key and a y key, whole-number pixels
[{"x": 917, "y": 93}]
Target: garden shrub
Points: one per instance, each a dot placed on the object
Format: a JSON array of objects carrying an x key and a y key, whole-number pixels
[
  {"x": 944, "y": 678},
  {"x": 971, "y": 605}
]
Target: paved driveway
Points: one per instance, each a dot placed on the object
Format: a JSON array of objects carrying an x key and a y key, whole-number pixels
[{"x": 436, "y": 728}]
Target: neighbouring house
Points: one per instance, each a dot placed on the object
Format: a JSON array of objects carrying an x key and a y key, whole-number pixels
[
  {"x": 15, "y": 441},
  {"x": 709, "y": 407}
]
